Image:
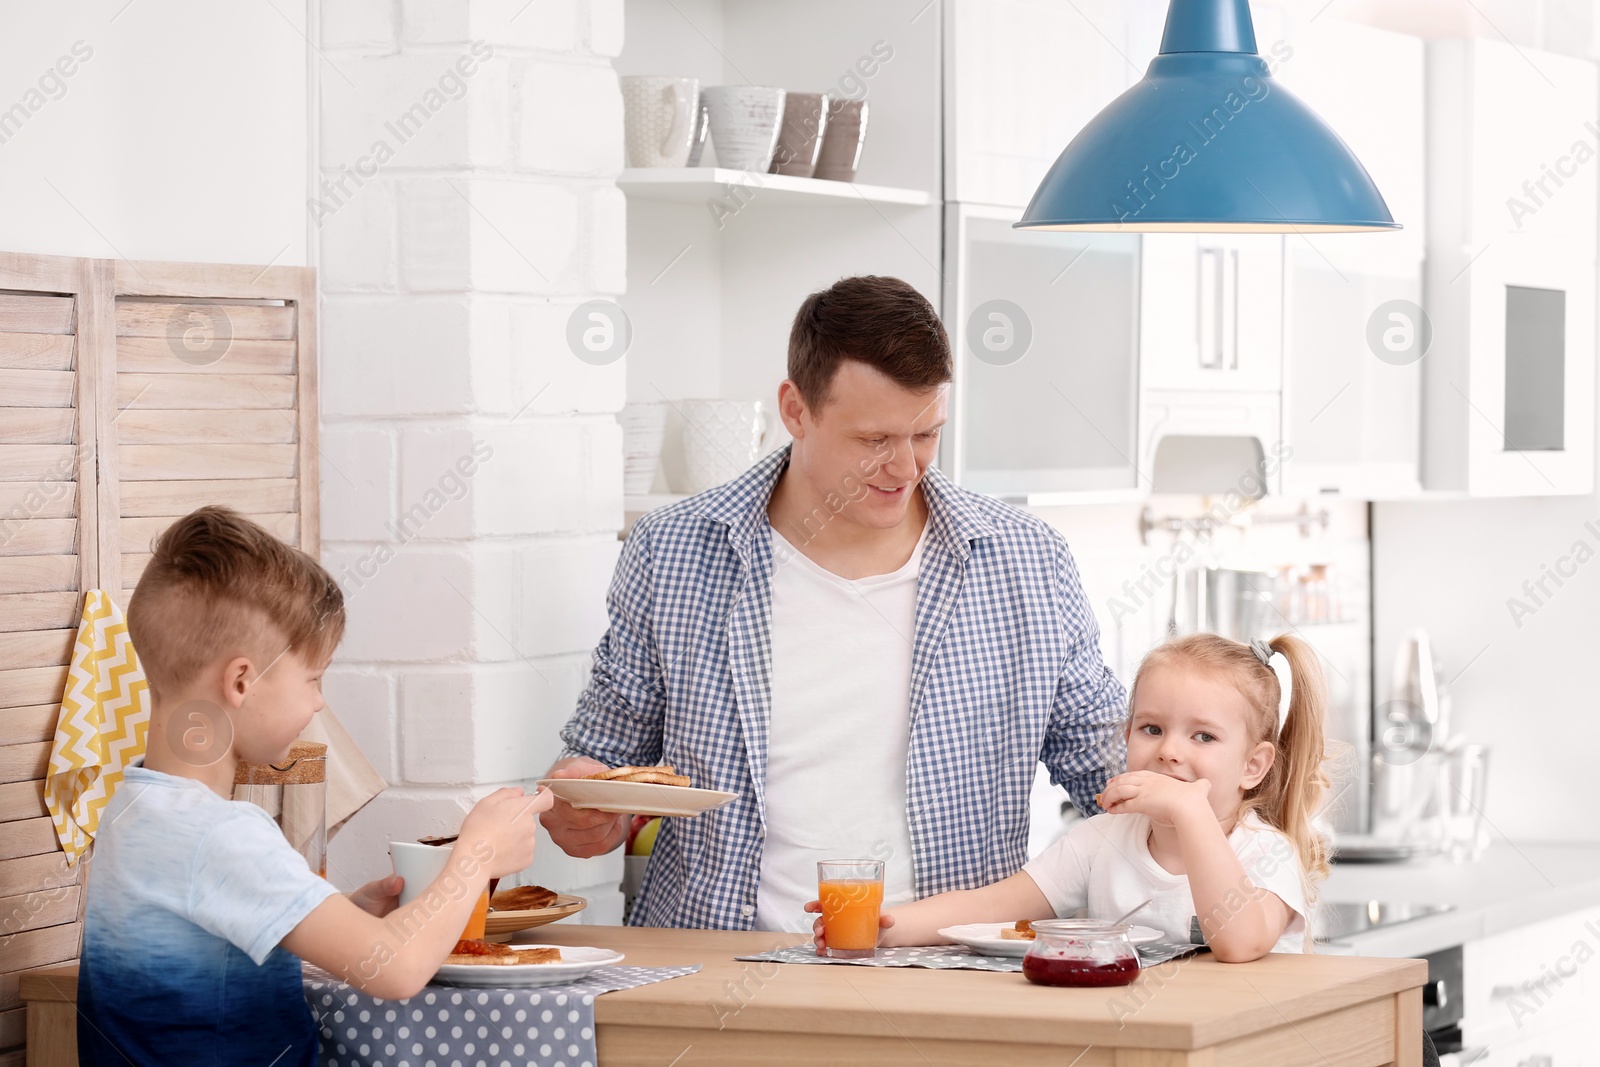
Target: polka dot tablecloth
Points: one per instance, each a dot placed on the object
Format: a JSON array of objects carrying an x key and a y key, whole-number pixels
[{"x": 447, "y": 1026}]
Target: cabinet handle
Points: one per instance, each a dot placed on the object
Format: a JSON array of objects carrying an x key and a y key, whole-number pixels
[
  {"x": 1217, "y": 306},
  {"x": 1540, "y": 985},
  {"x": 1230, "y": 306},
  {"x": 1208, "y": 304}
]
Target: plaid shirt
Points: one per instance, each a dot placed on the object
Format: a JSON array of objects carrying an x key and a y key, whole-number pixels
[{"x": 1006, "y": 672}]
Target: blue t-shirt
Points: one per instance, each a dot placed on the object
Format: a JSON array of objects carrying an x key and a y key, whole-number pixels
[{"x": 189, "y": 895}]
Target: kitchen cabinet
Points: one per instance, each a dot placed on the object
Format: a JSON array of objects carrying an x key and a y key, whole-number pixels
[
  {"x": 1211, "y": 362},
  {"x": 1212, "y": 314},
  {"x": 1044, "y": 327},
  {"x": 1529, "y": 996},
  {"x": 1022, "y": 77},
  {"x": 1508, "y": 387},
  {"x": 1354, "y": 330}
]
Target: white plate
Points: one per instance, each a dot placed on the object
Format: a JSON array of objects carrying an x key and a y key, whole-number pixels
[
  {"x": 985, "y": 938},
  {"x": 636, "y": 798},
  {"x": 575, "y": 963}
]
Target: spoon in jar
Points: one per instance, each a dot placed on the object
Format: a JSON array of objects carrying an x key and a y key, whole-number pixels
[{"x": 1130, "y": 912}]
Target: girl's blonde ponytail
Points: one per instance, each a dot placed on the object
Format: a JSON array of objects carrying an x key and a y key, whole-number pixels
[{"x": 1291, "y": 793}]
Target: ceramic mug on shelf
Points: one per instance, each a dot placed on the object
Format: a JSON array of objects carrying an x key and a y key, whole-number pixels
[
  {"x": 644, "y": 427},
  {"x": 744, "y": 124},
  {"x": 846, "y": 131},
  {"x": 805, "y": 121},
  {"x": 660, "y": 115},
  {"x": 721, "y": 439}
]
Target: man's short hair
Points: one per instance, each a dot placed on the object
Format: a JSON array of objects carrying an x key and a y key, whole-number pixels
[
  {"x": 882, "y": 322},
  {"x": 220, "y": 586}
]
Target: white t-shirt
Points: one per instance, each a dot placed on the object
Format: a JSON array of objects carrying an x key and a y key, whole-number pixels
[
  {"x": 1104, "y": 864},
  {"x": 840, "y": 730}
]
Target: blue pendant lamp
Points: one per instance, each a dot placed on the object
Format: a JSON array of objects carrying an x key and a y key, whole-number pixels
[{"x": 1208, "y": 142}]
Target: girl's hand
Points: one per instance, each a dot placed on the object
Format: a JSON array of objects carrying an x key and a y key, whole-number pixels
[
  {"x": 885, "y": 920},
  {"x": 379, "y": 897},
  {"x": 1166, "y": 800}
]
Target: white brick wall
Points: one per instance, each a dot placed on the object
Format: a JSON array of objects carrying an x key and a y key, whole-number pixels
[{"x": 471, "y": 465}]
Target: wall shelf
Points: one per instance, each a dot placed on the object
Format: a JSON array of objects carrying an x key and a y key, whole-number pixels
[{"x": 692, "y": 184}]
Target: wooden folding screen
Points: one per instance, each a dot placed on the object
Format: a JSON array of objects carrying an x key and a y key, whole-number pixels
[{"x": 130, "y": 394}]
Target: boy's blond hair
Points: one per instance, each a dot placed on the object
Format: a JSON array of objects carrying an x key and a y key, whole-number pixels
[{"x": 220, "y": 586}]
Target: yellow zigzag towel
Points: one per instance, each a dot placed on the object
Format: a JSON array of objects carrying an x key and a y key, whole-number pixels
[{"x": 105, "y": 712}]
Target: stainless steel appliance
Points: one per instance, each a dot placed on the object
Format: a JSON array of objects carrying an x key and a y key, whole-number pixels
[{"x": 1240, "y": 604}]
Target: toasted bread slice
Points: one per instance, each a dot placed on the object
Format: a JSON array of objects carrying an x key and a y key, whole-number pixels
[
  {"x": 522, "y": 898},
  {"x": 655, "y": 778},
  {"x": 662, "y": 775},
  {"x": 480, "y": 953},
  {"x": 538, "y": 955},
  {"x": 622, "y": 772}
]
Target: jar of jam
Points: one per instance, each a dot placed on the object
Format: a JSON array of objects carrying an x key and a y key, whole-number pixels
[{"x": 1080, "y": 952}]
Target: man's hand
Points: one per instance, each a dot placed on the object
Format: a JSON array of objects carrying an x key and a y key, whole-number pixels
[
  {"x": 1165, "y": 799},
  {"x": 582, "y": 833},
  {"x": 379, "y": 897}
]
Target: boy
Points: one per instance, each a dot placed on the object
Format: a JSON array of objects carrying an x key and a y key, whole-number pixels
[{"x": 199, "y": 911}]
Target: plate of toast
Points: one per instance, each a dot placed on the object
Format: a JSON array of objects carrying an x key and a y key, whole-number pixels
[
  {"x": 527, "y": 906},
  {"x": 1013, "y": 939},
  {"x": 484, "y": 963},
  {"x": 658, "y": 790}
]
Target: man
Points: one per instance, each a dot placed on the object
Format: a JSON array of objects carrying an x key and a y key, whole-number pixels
[{"x": 873, "y": 659}]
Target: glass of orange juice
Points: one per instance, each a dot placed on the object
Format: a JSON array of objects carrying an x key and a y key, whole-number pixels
[{"x": 851, "y": 892}]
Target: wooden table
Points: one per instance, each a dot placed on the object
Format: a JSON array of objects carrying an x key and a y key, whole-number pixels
[{"x": 1284, "y": 1009}]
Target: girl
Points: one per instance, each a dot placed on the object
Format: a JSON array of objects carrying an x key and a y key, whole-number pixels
[{"x": 1211, "y": 823}]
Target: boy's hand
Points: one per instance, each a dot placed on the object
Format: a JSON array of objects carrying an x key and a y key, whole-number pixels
[
  {"x": 379, "y": 897},
  {"x": 504, "y": 821},
  {"x": 819, "y": 936},
  {"x": 582, "y": 832},
  {"x": 1165, "y": 799}
]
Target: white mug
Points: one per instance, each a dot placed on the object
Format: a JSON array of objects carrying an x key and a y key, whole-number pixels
[
  {"x": 644, "y": 427},
  {"x": 419, "y": 865},
  {"x": 721, "y": 439},
  {"x": 660, "y": 116},
  {"x": 744, "y": 124}
]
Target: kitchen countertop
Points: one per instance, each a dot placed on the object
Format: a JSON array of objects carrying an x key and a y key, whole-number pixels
[{"x": 1511, "y": 885}]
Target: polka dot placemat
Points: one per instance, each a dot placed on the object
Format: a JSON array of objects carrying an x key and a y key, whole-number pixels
[{"x": 551, "y": 1026}]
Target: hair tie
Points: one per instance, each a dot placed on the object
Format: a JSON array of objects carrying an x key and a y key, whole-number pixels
[{"x": 1262, "y": 650}]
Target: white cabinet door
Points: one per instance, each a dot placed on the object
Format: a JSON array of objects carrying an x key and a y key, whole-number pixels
[
  {"x": 1514, "y": 140},
  {"x": 1523, "y": 988},
  {"x": 1569, "y": 1046},
  {"x": 1044, "y": 326},
  {"x": 1509, "y": 406},
  {"x": 1509, "y": 385},
  {"x": 1212, "y": 312},
  {"x": 1354, "y": 336},
  {"x": 1022, "y": 77},
  {"x": 1354, "y": 328}
]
